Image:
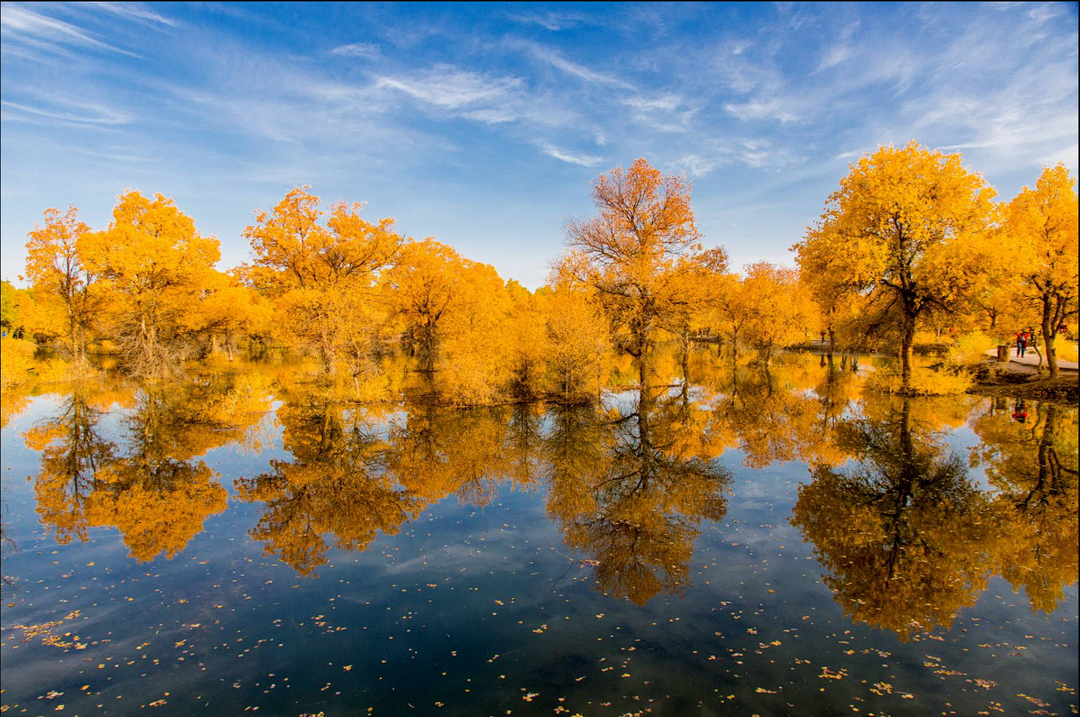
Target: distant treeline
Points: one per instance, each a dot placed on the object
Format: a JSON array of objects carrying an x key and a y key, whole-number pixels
[{"x": 912, "y": 241}]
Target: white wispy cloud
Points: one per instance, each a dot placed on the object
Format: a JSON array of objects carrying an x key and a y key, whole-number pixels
[
  {"x": 553, "y": 21},
  {"x": 135, "y": 11},
  {"x": 750, "y": 152},
  {"x": 774, "y": 108},
  {"x": 839, "y": 48},
  {"x": 555, "y": 59},
  {"x": 449, "y": 87},
  {"x": 76, "y": 112},
  {"x": 697, "y": 166},
  {"x": 582, "y": 160},
  {"x": 366, "y": 50},
  {"x": 667, "y": 103},
  {"x": 1045, "y": 11},
  {"x": 36, "y": 31}
]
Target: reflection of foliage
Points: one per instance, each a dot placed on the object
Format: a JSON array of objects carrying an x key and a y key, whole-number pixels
[
  {"x": 783, "y": 412},
  {"x": 906, "y": 537},
  {"x": 523, "y": 445},
  {"x": 335, "y": 483},
  {"x": 72, "y": 453},
  {"x": 628, "y": 493},
  {"x": 13, "y": 401},
  {"x": 352, "y": 481},
  {"x": 153, "y": 491},
  {"x": 1034, "y": 466},
  {"x": 628, "y": 489},
  {"x": 438, "y": 451},
  {"x": 157, "y": 495}
]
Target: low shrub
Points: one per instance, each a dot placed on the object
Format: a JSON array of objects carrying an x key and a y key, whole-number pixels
[
  {"x": 16, "y": 361},
  {"x": 970, "y": 350},
  {"x": 1066, "y": 350}
]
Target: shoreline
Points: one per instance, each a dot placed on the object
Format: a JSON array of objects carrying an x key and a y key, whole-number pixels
[{"x": 1028, "y": 384}]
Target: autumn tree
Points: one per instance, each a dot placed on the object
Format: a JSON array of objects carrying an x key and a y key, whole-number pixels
[
  {"x": 425, "y": 286},
  {"x": 835, "y": 301},
  {"x": 322, "y": 276},
  {"x": 695, "y": 280},
  {"x": 9, "y": 310},
  {"x": 476, "y": 350},
  {"x": 153, "y": 264},
  {"x": 779, "y": 312},
  {"x": 228, "y": 310},
  {"x": 527, "y": 350},
  {"x": 899, "y": 232},
  {"x": 455, "y": 315},
  {"x": 733, "y": 308},
  {"x": 635, "y": 252},
  {"x": 578, "y": 339},
  {"x": 61, "y": 278},
  {"x": 1041, "y": 228}
]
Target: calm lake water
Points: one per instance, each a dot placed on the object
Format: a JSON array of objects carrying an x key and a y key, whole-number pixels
[{"x": 759, "y": 543}]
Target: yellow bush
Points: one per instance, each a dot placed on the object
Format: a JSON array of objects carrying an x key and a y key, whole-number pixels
[
  {"x": 16, "y": 360},
  {"x": 970, "y": 349},
  {"x": 1066, "y": 350},
  {"x": 469, "y": 379}
]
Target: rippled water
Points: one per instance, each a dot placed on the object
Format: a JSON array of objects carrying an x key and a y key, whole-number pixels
[{"x": 770, "y": 542}]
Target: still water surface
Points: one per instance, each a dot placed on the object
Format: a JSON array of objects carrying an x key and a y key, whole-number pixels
[{"x": 762, "y": 542}]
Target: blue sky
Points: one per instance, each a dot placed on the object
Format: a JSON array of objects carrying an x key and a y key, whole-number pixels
[{"x": 482, "y": 125}]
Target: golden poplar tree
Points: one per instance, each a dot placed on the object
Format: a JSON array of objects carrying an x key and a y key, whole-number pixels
[
  {"x": 154, "y": 263},
  {"x": 636, "y": 251},
  {"x": 61, "y": 279},
  {"x": 900, "y": 232},
  {"x": 1041, "y": 225},
  {"x": 322, "y": 275}
]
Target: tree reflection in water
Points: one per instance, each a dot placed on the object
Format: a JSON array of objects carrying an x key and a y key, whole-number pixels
[
  {"x": 1033, "y": 466},
  {"x": 624, "y": 487},
  {"x": 906, "y": 536},
  {"x": 147, "y": 482},
  {"x": 628, "y": 493},
  {"x": 335, "y": 483}
]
